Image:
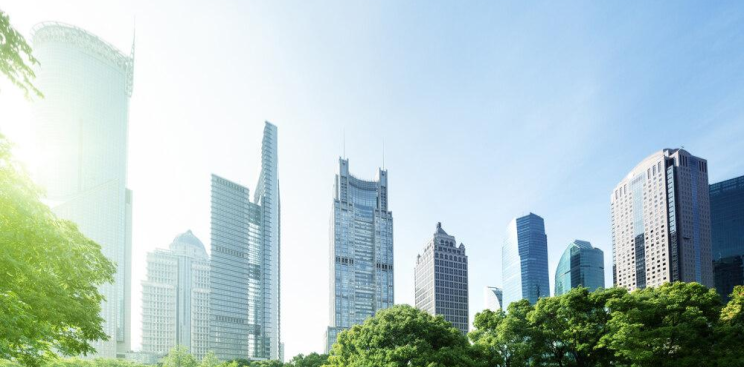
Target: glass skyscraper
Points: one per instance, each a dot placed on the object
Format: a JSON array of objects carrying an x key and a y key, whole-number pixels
[
  {"x": 175, "y": 298},
  {"x": 524, "y": 260},
  {"x": 661, "y": 222},
  {"x": 727, "y": 227},
  {"x": 580, "y": 265},
  {"x": 441, "y": 279},
  {"x": 361, "y": 250},
  {"x": 245, "y": 253},
  {"x": 81, "y": 131}
]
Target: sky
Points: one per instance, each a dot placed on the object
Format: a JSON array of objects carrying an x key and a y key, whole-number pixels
[{"x": 487, "y": 110}]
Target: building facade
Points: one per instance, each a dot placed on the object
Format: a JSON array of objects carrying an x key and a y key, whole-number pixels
[
  {"x": 361, "y": 250},
  {"x": 524, "y": 260},
  {"x": 81, "y": 131},
  {"x": 493, "y": 298},
  {"x": 245, "y": 249},
  {"x": 727, "y": 230},
  {"x": 580, "y": 265},
  {"x": 175, "y": 298},
  {"x": 661, "y": 228},
  {"x": 441, "y": 279}
]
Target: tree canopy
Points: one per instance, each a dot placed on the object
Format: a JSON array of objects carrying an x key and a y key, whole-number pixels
[{"x": 16, "y": 59}]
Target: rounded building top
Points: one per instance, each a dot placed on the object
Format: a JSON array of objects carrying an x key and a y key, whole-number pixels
[{"x": 188, "y": 243}]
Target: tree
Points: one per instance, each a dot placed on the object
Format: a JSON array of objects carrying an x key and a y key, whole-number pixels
[
  {"x": 672, "y": 325},
  {"x": 401, "y": 336},
  {"x": 310, "y": 360},
  {"x": 179, "y": 356},
  {"x": 49, "y": 298},
  {"x": 16, "y": 59},
  {"x": 210, "y": 360},
  {"x": 503, "y": 339},
  {"x": 730, "y": 331}
]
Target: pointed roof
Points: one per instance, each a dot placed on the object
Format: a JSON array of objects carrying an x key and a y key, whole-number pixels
[{"x": 440, "y": 230}]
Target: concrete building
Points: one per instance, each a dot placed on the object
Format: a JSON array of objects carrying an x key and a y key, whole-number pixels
[
  {"x": 81, "y": 131},
  {"x": 175, "y": 298},
  {"x": 580, "y": 265},
  {"x": 661, "y": 222},
  {"x": 361, "y": 251},
  {"x": 524, "y": 260},
  {"x": 441, "y": 279}
]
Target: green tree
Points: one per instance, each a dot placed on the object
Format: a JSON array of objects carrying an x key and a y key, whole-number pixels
[
  {"x": 401, "y": 336},
  {"x": 310, "y": 360},
  {"x": 730, "y": 331},
  {"x": 49, "y": 298},
  {"x": 179, "y": 356},
  {"x": 16, "y": 59},
  {"x": 210, "y": 360},
  {"x": 503, "y": 339},
  {"x": 672, "y": 325}
]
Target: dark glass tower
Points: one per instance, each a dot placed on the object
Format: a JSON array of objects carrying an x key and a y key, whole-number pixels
[
  {"x": 580, "y": 265},
  {"x": 727, "y": 224},
  {"x": 524, "y": 257}
]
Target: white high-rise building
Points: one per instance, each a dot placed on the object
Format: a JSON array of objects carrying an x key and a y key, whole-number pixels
[
  {"x": 493, "y": 299},
  {"x": 361, "y": 251},
  {"x": 661, "y": 222},
  {"x": 81, "y": 131},
  {"x": 245, "y": 243},
  {"x": 175, "y": 298}
]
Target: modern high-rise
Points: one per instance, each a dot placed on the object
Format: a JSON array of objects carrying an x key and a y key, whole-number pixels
[
  {"x": 361, "y": 250},
  {"x": 661, "y": 228},
  {"x": 81, "y": 131},
  {"x": 493, "y": 298},
  {"x": 245, "y": 243},
  {"x": 524, "y": 260},
  {"x": 175, "y": 298},
  {"x": 441, "y": 279},
  {"x": 727, "y": 227},
  {"x": 580, "y": 265}
]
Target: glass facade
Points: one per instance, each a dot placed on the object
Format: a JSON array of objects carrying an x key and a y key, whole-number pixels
[
  {"x": 81, "y": 131},
  {"x": 580, "y": 265},
  {"x": 727, "y": 223},
  {"x": 175, "y": 298},
  {"x": 493, "y": 298},
  {"x": 245, "y": 318},
  {"x": 441, "y": 279},
  {"x": 524, "y": 255},
  {"x": 361, "y": 251}
]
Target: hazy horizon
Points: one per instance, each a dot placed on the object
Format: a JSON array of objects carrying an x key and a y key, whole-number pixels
[{"x": 486, "y": 113}]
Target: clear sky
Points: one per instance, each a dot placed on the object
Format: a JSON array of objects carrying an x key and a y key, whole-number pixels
[{"x": 487, "y": 110}]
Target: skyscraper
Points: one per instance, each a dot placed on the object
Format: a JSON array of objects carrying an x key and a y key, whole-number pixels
[
  {"x": 361, "y": 250},
  {"x": 661, "y": 222},
  {"x": 441, "y": 279},
  {"x": 580, "y": 265},
  {"x": 493, "y": 298},
  {"x": 246, "y": 246},
  {"x": 524, "y": 260},
  {"x": 727, "y": 227},
  {"x": 175, "y": 298},
  {"x": 81, "y": 131}
]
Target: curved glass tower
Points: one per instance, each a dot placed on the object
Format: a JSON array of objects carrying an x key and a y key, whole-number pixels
[
  {"x": 361, "y": 250},
  {"x": 524, "y": 258},
  {"x": 580, "y": 265},
  {"x": 81, "y": 131}
]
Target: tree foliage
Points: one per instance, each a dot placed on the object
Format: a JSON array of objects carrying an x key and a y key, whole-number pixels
[
  {"x": 49, "y": 298},
  {"x": 16, "y": 59},
  {"x": 310, "y": 360},
  {"x": 402, "y": 336},
  {"x": 179, "y": 356}
]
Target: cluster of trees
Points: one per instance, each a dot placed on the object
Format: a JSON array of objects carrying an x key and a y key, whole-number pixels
[{"x": 676, "y": 324}]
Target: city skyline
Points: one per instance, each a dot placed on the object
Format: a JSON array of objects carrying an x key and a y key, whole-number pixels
[{"x": 533, "y": 114}]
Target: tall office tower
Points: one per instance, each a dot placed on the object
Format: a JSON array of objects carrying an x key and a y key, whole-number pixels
[
  {"x": 524, "y": 260},
  {"x": 580, "y": 265},
  {"x": 81, "y": 131},
  {"x": 175, "y": 298},
  {"x": 661, "y": 222},
  {"x": 441, "y": 279},
  {"x": 493, "y": 298},
  {"x": 727, "y": 227},
  {"x": 361, "y": 250},
  {"x": 245, "y": 263}
]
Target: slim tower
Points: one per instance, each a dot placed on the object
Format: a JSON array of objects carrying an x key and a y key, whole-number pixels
[
  {"x": 727, "y": 227},
  {"x": 524, "y": 260}
]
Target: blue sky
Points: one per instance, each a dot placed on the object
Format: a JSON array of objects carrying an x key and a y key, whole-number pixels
[{"x": 487, "y": 110}]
